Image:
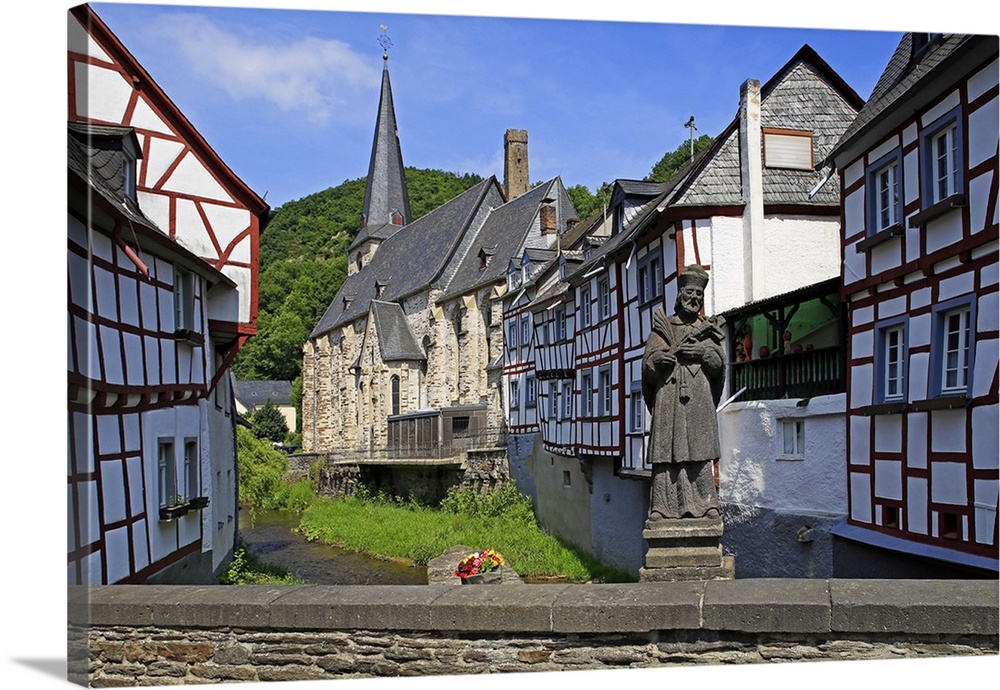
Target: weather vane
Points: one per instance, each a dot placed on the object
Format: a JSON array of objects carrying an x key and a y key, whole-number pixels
[{"x": 384, "y": 41}]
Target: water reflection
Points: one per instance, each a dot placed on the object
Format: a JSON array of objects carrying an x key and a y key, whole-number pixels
[{"x": 269, "y": 535}]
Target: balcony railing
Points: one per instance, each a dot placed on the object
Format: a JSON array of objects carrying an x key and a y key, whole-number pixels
[{"x": 797, "y": 375}]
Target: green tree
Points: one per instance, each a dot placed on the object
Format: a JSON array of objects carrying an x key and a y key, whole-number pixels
[
  {"x": 588, "y": 204},
  {"x": 676, "y": 159},
  {"x": 268, "y": 423}
]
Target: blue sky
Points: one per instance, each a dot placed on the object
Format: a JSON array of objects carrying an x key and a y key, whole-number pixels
[{"x": 288, "y": 98}]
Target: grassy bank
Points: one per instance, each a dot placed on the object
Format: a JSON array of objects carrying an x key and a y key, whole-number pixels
[{"x": 502, "y": 520}]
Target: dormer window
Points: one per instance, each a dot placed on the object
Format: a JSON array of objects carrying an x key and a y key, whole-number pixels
[
  {"x": 922, "y": 44},
  {"x": 379, "y": 289},
  {"x": 128, "y": 176},
  {"x": 791, "y": 149},
  {"x": 396, "y": 218}
]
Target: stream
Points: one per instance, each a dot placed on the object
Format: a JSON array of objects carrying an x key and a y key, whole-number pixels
[{"x": 269, "y": 535}]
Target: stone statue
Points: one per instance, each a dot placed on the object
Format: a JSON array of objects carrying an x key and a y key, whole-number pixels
[{"x": 683, "y": 372}]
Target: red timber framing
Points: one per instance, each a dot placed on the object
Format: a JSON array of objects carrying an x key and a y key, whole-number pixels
[
  {"x": 600, "y": 393},
  {"x": 183, "y": 185},
  {"x": 922, "y": 463},
  {"x": 519, "y": 367}
]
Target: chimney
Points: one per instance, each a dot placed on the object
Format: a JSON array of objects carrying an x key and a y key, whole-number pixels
[
  {"x": 547, "y": 218},
  {"x": 751, "y": 173},
  {"x": 515, "y": 163}
]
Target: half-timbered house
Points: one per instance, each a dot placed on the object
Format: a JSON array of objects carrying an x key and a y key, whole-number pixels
[
  {"x": 162, "y": 242},
  {"x": 919, "y": 177},
  {"x": 739, "y": 209}
]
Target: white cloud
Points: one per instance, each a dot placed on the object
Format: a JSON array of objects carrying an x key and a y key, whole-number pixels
[{"x": 310, "y": 76}]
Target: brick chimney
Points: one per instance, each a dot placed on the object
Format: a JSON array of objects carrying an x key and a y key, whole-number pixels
[
  {"x": 547, "y": 218},
  {"x": 515, "y": 163}
]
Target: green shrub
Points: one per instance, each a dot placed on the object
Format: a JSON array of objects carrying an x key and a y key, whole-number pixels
[
  {"x": 504, "y": 501},
  {"x": 268, "y": 423}
]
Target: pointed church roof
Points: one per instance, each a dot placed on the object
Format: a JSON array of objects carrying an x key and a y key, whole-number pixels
[{"x": 385, "y": 192}]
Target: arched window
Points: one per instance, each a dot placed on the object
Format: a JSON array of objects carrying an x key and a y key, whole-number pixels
[{"x": 395, "y": 394}]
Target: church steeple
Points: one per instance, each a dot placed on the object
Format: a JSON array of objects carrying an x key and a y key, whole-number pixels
[{"x": 386, "y": 198}]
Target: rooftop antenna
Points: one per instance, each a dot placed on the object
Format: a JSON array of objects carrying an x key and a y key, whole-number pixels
[
  {"x": 384, "y": 41},
  {"x": 690, "y": 125}
]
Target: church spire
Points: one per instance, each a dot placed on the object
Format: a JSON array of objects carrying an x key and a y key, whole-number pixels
[{"x": 387, "y": 201}]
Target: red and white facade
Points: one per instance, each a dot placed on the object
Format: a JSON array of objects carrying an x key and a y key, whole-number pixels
[
  {"x": 162, "y": 293},
  {"x": 920, "y": 278}
]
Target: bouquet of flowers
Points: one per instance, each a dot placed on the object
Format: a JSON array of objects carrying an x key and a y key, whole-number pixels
[{"x": 478, "y": 563}]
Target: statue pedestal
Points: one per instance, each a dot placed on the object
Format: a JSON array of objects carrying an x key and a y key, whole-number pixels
[{"x": 685, "y": 549}]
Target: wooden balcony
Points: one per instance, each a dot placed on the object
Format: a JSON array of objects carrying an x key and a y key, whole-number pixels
[{"x": 804, "y": 374}]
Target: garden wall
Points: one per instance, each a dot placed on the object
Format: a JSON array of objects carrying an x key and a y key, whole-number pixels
[{"x": 151, "y": 634}]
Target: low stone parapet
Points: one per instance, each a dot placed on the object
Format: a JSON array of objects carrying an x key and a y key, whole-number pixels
[{"x": 148, "y": 634}]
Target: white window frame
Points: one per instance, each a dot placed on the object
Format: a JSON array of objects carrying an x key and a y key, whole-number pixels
[
  {"x": 553, "y": 400},
  {"x": 525, "y": 330},
  {"x": 792, "y": 439},
  {"x": 956, "y": 350},
  {"x": 604, "y": 298},
  {"x": 587, "y": 395},
  {"x": 192, "y": 469},
  {"x": 585, "y": 306},
  {"x": 530, "y": 392},
  {"x": 884, "y": 185},
  {"x": 166, "y": 465},
  {"x": 567, "y": 399},
  {"x": 637, "y": 420},
  {"x": 604, "y": 391},
  {"x": 515, "y": 394},
  {"x": 184, "y": 294},
  {"x": 940, "y": 183},
  {"x": 891, "y": 360}
]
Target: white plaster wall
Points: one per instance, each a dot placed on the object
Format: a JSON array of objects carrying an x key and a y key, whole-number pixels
[
  {"x": 751, "y": 474},
  {"x": 725, "y": 287},
  {"x": 800, "y": 251}
]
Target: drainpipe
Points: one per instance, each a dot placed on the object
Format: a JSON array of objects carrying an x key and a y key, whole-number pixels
[{"x": 751, "y": 173}]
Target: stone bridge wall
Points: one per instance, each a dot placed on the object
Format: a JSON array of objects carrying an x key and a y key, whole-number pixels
[{"x": 162, "y": 635}]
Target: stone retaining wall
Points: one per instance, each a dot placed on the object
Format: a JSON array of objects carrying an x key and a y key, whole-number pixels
[{"x": 161, "y": 635}]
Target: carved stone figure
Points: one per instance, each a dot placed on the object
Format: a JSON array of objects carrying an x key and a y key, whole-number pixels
[{"x": 682, "y": 380}]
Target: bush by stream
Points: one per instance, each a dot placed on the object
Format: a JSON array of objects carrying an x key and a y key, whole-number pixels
[{"x": 501, "y": 519}]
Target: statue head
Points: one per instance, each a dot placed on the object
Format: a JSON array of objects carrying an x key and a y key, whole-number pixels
[{"x": 691, "y": 290}]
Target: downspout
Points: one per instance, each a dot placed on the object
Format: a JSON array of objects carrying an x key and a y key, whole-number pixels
[{"x": 751, "y": 174}]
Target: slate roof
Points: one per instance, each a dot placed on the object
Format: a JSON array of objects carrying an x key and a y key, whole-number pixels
[
  {"x": 805, "y": 94},
  {"x": 395, "y": 338},
  {"x": 905, "y": 78},
  {"x": 253, "y": 393},
  {"x": 413, "y": 258},
  {"x": 503, "y": 233},
  {"x": 94, "y": 153},
  {"x": 385, "y": 189}
]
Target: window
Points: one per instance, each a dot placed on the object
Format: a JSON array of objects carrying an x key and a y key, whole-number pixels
[
  {"x": 890, "y": 361},
  {"x": 955, "y": 350},
  {"x": 129, "y": 176},
  {"x": 530, "y": 392},
  {"x": 793, "y": 439},
  {"x": 650, "y": 278},
  {"x": 512, "y": 334},
  {"x": 941, "y": 158},
  {"x": 788, "y": 148},
  {"x": 585, "y": 306},
  {"x": 587, "y": 395},
  {"x": 637, "y": 421},
  {"x": 394, "y": 385},
  {"x": 166, "y": 464},
  {"x": 553, "y": 400},
  {"x": 515, "y": 396},
  {"x": 525, "y": 330},
  {"x": 567, "y": 400},
  {"x": 561, "y": 325},
  {"x": 460, "y": 427},
  {"x": 183, "y": 300},
  {"x": 191, "y": 468},
  {"x": 604, "y": 392},
  {"x": 604, "y": 297},
  {"x": 882, "y": 190}
]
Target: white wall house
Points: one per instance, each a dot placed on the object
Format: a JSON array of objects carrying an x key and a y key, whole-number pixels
[
  {"x": 162, "y": 270},
  {"x": 919, "y": 179}
]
